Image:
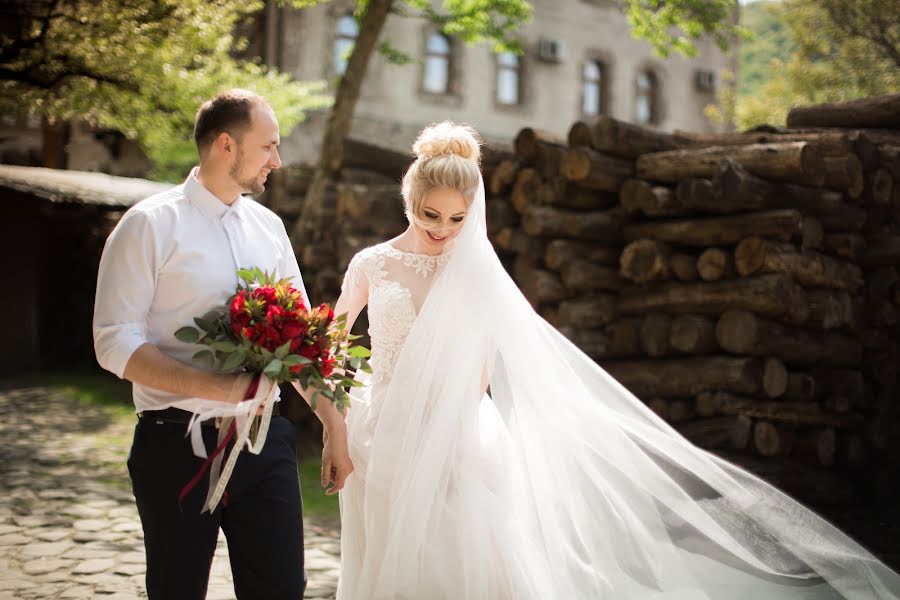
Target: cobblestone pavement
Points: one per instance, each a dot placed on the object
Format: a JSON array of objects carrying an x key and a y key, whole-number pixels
[{"x": 68, "y": 524}]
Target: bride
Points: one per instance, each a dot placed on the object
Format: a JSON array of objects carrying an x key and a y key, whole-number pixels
[{"x": 559, "y": 483}]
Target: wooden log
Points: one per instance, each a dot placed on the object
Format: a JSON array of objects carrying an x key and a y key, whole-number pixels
[
  {"x": 549, "y": 160},
  {"x": 680, "y": 411},
  {"x": 523, "y": 265},
  {"x": 834, "y": 143},
  {"x": 689, "y": 376},
  {"x": 805, "y": 414},
  {"x": 830, "y": 309},
  {"x": 879, "y": 188},
  {"x": 845, "y": 245},
  {"x": 845, "y": 173},
  {"x": 787, "y": 161},
  {"x": 660, "y": 406},
  {"x": 625, "y": 337},
  {"x": 880, "y": 284},
  {"x": 560, "y": 253},
  {"x": 628, "y": 140},
  {"x": 593, "y": 342},
  {"x": 524, "y": 191},
  {"x": 684, "y": 267},
  {"x": 585, "y": 276},
  {"x": 874, "y": 111},
  {"x": 655, "y": 332},
  {"x": 503, "y": 176},
  {"x": 805, "y": 387},
  {"x": 715, "y": 264},
  {"x": 817, "y": 447},
  {"x": 639, "y": 196},
  {"x": 851, "y": 450},
  {"x": 756, "y": 255},
  {"x": 693, "y": 334},
  {"x": 579, "y": 135},
  {"x": 740, "y": 191},
  {"x": 541, "y": 286},
  {"x": 697, "y": 194},
  {"x": 596, "y": 171},
  {"x": 528, "y": 142},
  {"x": 773, "y": 439},
  {"x": 812, "y": 234},
  {"x": 722, "y": 432},
  {"x": 500, "y": 214},
  {"x": 591, "y": 311},
  {"x": 882, "y": 250},
  {"x": 546, "y": 221},
  {"x": 848, "y": 387},
  {"x": 742, "y": 332},
  {"x": 719, "y": 231},
  {"x": 563, "y": 193},
  {"x": 512, "y": 239},
  {"x": 774, "y": 295},
  {"x": 643, "y": 261}
]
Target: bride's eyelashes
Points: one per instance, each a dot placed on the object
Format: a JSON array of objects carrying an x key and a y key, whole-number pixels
[{"x": 434, "y": 217}]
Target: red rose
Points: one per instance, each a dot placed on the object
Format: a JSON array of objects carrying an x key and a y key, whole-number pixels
[
  {"x": 293, "y": 331},
  {"x": 274, "y": 313},
  {"x": 310, "y": 351},
  {"x": 267, "y": 294},
  {"x": 327, "y": 366}
]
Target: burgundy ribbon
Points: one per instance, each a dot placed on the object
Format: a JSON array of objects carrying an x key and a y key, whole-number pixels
[{"x": 250, "y": 393}]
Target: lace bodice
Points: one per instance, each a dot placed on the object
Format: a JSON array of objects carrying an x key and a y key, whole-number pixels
[{"x": 394, "y": 284}]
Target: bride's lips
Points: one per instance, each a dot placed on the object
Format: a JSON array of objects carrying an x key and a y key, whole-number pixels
[{"x": 434, "y": 238}]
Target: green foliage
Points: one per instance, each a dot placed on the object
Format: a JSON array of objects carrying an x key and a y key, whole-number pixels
[
  {"x": 139, "y": 66},
  {"x": 674, "y": 24},
  {"x": 769, "y": 39},
  {"x": 841, "y": 50}
]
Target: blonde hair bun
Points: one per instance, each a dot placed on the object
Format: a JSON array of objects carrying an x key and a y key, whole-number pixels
[{"x": 442, "y": 139}]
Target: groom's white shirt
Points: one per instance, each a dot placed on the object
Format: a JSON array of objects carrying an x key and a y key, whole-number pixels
[{"x": 173, "y": 257}]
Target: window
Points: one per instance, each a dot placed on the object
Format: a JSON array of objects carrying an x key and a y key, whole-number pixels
[
  {"x": 509, "y": 78},
  {"x": 437, "y": 64},
  {"x": 347, "y": 30},
  {"x": 593, "y": 92},
  {"x": 647, "y": 100}
]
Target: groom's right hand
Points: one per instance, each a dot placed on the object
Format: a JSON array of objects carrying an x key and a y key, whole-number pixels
[{"x": 336, "y": 463}]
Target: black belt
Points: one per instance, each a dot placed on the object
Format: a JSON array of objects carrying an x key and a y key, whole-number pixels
[{"x": 183, "y": 417}]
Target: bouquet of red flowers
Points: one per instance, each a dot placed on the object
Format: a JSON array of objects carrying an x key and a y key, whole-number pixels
[{"x": 267, "y": 328}]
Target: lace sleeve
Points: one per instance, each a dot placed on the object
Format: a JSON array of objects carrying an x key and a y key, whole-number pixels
[{"x": 354, "y": 289}]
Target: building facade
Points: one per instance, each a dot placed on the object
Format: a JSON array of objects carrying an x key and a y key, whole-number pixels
[{"x": 579, "y": 62}]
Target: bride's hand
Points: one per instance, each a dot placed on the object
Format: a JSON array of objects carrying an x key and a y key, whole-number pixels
[{"x": 336, "y": 463}]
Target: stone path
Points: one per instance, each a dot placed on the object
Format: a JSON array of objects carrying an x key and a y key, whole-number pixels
[{"x": 68, "y": 524}]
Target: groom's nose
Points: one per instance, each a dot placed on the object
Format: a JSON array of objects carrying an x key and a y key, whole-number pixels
[{"x": 275, "y": 160}]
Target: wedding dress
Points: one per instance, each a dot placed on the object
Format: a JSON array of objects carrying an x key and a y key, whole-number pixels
[{"x": 559, "y": 483}]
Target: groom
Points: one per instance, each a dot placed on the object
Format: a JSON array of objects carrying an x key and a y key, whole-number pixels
[{"x": 172, "y": 257}]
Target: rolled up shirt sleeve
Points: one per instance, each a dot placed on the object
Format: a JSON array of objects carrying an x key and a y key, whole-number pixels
[{"x": 126, "y": 282}]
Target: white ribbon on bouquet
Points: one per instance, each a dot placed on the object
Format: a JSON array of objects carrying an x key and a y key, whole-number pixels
[{"x": 242, "y": 414}]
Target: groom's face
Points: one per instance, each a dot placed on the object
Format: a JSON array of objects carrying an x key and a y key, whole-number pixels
[{"x": 257, "y": 152}]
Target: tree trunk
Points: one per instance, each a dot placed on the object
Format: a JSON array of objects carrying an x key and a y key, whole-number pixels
[
  {"x": 595, "y": 171},
  {"x": 628, "y": 140},
  {"x": 756, "y": 255},
  {"x": 828, "y": 143},
  {"x": 547, "y": 221},
  {"x": 874, "y": 111},
  {"x": 308, "y": 227},
  {"x": 694, "y": 334},
  {"x": 742, "y": 332},
  {"x": 775, "y": 296},
  {"x": 560, "y": 253},
  {"x": 686, "y": 377},
  {"x": 645, "y": 260},
  {"x": 787, "y": 161},
  {"x": 715, "y": 264},
  {"x": 719, "y": 231}
]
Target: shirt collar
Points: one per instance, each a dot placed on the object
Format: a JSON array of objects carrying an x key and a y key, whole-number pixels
[{"x": 206, "y": 201}]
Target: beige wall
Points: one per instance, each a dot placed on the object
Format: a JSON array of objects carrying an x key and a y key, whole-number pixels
[{"x": 393, "y": 107}]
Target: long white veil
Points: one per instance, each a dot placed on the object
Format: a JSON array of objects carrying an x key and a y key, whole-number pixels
[{"x": 563, "y": 484}]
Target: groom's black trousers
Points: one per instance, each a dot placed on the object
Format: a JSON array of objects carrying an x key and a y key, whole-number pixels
[{"x": 262, "y": 520}]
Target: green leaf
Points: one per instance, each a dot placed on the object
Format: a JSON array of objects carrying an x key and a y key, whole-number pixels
[
  {"x": 206, "y": 357},
  {"x": 355, "y": 362},
  {"x": 234, "y": 360},
  {"x": 292, "y": 360},
  {"x": 188, "y": 335},
  {"x": 283, "y": 350},
  {"x": 273, "y": 369},
  {"x": 246, "y": 275},
  {"x": 359, "y": 352},
  {"x": 224, "y": 346}
]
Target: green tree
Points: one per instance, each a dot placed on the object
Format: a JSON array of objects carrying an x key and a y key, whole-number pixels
[
  {"x": 139, "y": 66},
  {"x": 664, "y": 24},
  {"x": 845, "y": 49}
]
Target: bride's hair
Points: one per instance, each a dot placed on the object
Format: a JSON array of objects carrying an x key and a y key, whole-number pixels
[{"x": 447, "y": 156}]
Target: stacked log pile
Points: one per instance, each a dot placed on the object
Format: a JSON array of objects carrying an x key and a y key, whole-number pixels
[{"x": 744, "y": 285}]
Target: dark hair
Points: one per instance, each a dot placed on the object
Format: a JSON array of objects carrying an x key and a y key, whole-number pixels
[{"x": 226, "y": 112}]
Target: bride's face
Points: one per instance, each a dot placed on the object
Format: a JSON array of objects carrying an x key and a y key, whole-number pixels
[{"x": 440, "y": 218}]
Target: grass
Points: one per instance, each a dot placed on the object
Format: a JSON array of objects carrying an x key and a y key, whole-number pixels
[{"x": 315, "y": 501}]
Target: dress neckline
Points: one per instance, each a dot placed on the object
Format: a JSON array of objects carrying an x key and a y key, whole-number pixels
[{"x": 397, "y": 251}]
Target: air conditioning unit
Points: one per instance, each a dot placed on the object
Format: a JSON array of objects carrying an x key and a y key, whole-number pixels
[
  {"x": 705, "y": 80},
  {"x": 550, "y": 50}
]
